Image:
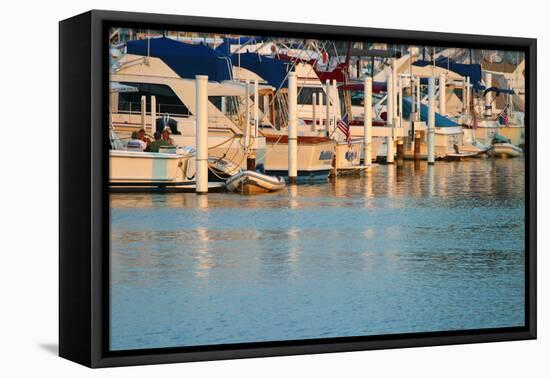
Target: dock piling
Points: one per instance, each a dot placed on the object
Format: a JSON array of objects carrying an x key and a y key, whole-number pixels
[
  {"x": 367, "y": 132},
  {"x": 201, "y": 134},
  {"x": 334, "y": 96},
  {"x": 246, "y": 129},
  {"x": 400, "y": 101},
  {"x": 391, "y": 150},
  {"x": 256, "y": 107},
  {"x": 488, "y": 79},
  {"x": 431, "y": 120},
  {"x": 417, "y": 146},
  {"x": 463, "y": 98},
  {"x": 400, "y": 150},
  {"x": 320, "y": 103},
  {"x": 153, "y": 115},
  {"x": 442, "y": 95},
  {"x": 328, "y": 110},
  {"x": 418, "y": 98},
  {"x": 390, "y": 119},
  {"x": 314, "y": 112},
  {"x": 143, "y": 112},
  {"x": 394, "y": 83},
  {"x": 467, "y": 112},
  {"x": 292, "y": 128}
]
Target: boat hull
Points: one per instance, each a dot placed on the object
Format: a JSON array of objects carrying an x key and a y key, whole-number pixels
[
  {"x": 251, "y": 182},
  {"x": 514, "y": 133},
  {"x": 136, "y": 169},
  {"x": 504, "y": 150},
  {"x": 315, "y": 156},
  {"x": 221, "y": 144},
  {"x": 488, "y": 129}
]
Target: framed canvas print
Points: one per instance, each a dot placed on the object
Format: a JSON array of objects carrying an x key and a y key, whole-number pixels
[{"x": 236, "y": 188}]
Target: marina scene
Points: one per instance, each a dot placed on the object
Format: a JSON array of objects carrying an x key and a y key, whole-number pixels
[{"x": 273, "y": 188}]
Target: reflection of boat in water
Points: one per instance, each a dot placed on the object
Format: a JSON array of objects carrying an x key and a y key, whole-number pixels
[
  {"x": 504, "y": 150},
  {"x": 248, "y": 182}
]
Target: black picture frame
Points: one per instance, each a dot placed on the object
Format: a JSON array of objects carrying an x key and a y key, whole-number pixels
[{"x": 84, "y": 205}]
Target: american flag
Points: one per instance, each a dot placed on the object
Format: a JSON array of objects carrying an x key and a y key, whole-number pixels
[
  {"x": 343, "y": 126},
  {"x": 504, "y": 115}
]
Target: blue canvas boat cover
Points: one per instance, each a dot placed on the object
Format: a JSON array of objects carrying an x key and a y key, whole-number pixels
[
  {"x": 440, "y": 121},
  {"x": 271, "y": 70},
  {"x": 471, "y": 70},
  {"x": 185, "y": 59}
]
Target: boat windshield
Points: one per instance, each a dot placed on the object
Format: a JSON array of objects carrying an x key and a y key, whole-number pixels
[
  {"x": 167, "y": 101},
  {"x": 358, "y": 97}
]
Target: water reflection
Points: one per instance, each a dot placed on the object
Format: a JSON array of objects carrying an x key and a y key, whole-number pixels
[{"x": 401, "y": 249}]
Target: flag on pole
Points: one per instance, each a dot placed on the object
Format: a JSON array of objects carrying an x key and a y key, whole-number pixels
[{"x": 343, "y": 126}]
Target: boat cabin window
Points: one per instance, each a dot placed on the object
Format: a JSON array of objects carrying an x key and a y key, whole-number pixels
[
  {"x": 228, "y": 105},
  {"x": 305, "y": 95},
  {"x": 167, "y": 100},
  {"x": 357, "y": 98}
]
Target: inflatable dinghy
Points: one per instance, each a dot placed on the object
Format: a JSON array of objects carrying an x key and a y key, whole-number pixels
[{"x": 247, "y": 182}]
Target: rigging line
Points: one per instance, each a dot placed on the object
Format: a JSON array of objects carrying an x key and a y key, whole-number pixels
[
  {"x": 301, "y": 106},
  {"x": 222, "y": 143},
  {"x": 241, "y": 46},
  {"x": 294, "y": 62}
]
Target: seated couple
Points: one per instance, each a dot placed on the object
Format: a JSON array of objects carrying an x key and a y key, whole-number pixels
[{"x": 140, "y": 141}]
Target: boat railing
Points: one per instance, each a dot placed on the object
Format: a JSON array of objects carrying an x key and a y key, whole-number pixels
[{"x": 134, "y": 108}]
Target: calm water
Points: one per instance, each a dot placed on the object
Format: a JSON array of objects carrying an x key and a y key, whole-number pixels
[{"x": 400, "y": 250}]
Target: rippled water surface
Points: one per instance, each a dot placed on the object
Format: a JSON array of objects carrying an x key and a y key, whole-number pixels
[{"x": 403, "y": 249}]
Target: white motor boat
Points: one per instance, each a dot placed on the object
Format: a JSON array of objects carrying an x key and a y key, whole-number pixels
[
  {"x": 248, "y": 182},
  {"x": 314, "y": 156},
  {"x": 138, "y": 169},
  {"x": 504, "y": 150}
]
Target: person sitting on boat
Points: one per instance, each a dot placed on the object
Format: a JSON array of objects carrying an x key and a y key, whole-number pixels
[
  {"x": 157, "y": 143},
  {"x": 166, "y": 136},
  {"x": 143, "y": 137},
  {"x": 135, "y": 143}
]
